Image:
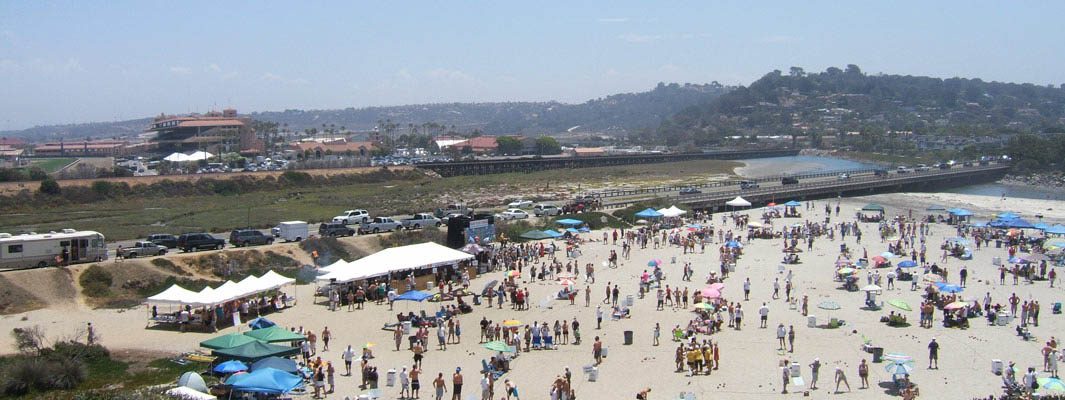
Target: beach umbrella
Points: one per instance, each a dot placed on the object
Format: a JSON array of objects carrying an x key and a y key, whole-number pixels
[
  {"x": 932, "y": 278},
  {"x": 513, "y": 273},
  {"x": 896, "y": 357},
  {"x": 845, "y": 271},
  {"x": 828, "y": 305},
  {"x": 717, "y": 286},
  {"x": 498, "y": 345},
  {"x": 948, "y": 288},
  {"x": 512, "y": 323},
  {"x": 872, "y": 288},
  {"x": 491, "y": 284},
  {"x": 567, "y": 282},
  {"x": 907, "y": 264},
  {"x": 879, "y": 260},
  {"x": 793, "y": 203},
  {"x": 230, "y": 367},
  {"x": 1050, "y": 385},
  {"x": 957, "y": 305},
  {"x": 771, "y": 204},
  {"x": 414, "y": 295},
  {"x": 654, "y": 263},
  {"x": 710, "y": 293},
  {"x": 705, "y": 306},
  {"x": 887, "y": 254},
  {"x": 897, "y": 368},
  {"x": 900, "y": 304}
]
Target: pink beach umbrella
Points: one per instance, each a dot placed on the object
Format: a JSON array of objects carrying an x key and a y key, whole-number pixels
[{"x": 710, "y": 293}]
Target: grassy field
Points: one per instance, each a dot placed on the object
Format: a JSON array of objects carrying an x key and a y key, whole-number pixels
[
  {"x": 50, "y": 165},
  {"x": 126, "y": 218}
]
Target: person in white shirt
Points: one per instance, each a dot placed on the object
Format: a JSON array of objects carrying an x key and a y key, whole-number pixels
[
  {"x": 348, "y": 356},
  {"x": 764, "y": 313},
  {"x": 781, "y": 334},
  {"x": 404, "y": 384}
]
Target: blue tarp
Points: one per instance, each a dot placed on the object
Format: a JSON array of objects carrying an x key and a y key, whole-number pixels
[
  {"x": 1041, "y": 226},
  {"x": 278, "y": 363},
  {"x": 266, "y": 380},
  {"x": 584, "y": 229},
  {"x": 649, "y": 213},
  {"x": 793, "y": 203},
  {"x": 948, "y": 288},
  {"x": 260, "y": 323},
  {"x": 414, "y": 295},
  {"x": 569, "y": 222}
]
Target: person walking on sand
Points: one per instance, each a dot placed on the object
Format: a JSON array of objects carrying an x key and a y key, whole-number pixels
[
  {"x": 587, "y": 295},
  {"x": 782, "y": 334},
  {"x": 815, "y": 370},
  {"x": 439, "y": 386},
  {"x": 747, "y": 289},
  {"x": 657, "y": 333},
  {"x": 607, "y": 298},
  {"x": 791, "y": 338},
  {"x": 597, "y": 351},
  {"x": 863, "y": 374},
  {"x": 456, "y": 385},
  {"x": 348, "y": 356},
  {"x": 763, "y": 312},
  {"x": 785, "y": 377},
  {"x": 841, "y": 378},
  {"x": 598, "y": 317},
  {"x": 933, "y": 354}
]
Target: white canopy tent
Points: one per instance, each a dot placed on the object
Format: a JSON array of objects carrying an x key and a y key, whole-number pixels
[
  {"x": 396, "y": 259},
  {"x": 225, "y": 292},
  {"x": 672, "y": 211},
  {"x": 738, "y": 202},
  {"x": 181, "y": 157},
  {"x": 338, "y": 265}
]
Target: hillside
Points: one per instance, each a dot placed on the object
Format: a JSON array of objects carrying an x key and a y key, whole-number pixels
[
  {"x": 617, "y": 114},
  {"x": 837, "y": 101}
]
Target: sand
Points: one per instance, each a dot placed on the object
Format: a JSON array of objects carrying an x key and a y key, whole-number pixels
[{"x": 749, "y": 356}]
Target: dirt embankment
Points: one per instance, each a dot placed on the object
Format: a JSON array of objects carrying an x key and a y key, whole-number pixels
[
  {"x": 133, "y": 280},
  {"x": 15, "y": 187}
]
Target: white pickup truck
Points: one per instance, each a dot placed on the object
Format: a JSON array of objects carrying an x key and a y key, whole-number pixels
[
  {"x": 353, "y": 217},
  {"x": 420, "y": 220},
  {"x": 379, "y": 224}
]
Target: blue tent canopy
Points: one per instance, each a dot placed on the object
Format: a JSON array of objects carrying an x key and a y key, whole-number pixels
[
  {"x": 1019, "y": 223},
  {"x": 1056, "y": 230},
  {"x": 278, "y": 363},
  {"x": 793, "y": 203},
  {"x": 266, "y": 380},
  {"x": 1008, "y": 215},
  {"x": 414, "y": 295},
  {"x": 230, "y": 367},
  {"x": 260, "y": 323},
  {"x": 569, "y": 222},
  {"x": 1041, "y": 226},
  {"x": 571, "y": 230},
  {"x": 649, "y": 213},
  {"x": 907, "y": 264},
  {"x": 552, "y": 233},
  {"x": 960, "y": 212}
]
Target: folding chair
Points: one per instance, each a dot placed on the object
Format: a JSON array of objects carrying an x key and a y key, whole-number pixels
[
  {"x": 536, "y": 342},
  {"x": 549, "y": 342}
]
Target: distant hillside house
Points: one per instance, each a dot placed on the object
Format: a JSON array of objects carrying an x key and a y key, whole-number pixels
[
  {"x": 214, "y": 132},
  {"x": 336, "y": 148},
  {"x": 10, "y": 156},
  {"x": 85, "y": 148}
]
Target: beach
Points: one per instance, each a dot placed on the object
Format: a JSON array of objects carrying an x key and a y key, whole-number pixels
[{"x": 750, "y": 360}]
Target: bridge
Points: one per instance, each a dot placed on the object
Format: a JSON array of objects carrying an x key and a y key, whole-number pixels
[
  {"x": 811, "y": 186},
  {"x": 485, "y": 167}
]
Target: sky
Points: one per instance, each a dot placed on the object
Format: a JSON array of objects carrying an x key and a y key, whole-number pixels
[{"x": 84, "y": 61}]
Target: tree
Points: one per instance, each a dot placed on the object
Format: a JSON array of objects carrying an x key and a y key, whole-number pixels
[
  {"x": 796, "y": 72},
  {"x": 546, "y": 145},
  {"x": 509, "y": 145},
  {"x": 50, "y": 187}
]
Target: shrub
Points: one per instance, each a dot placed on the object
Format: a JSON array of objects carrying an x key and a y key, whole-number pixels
[
  {"x": 24, "y": 374},
  {"x": 96, "y": 281},
  {"x": 50, "y": 187},
  {"x": 405, "y": 237}
]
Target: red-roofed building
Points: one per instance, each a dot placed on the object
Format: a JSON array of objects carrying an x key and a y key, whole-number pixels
[
  {"x": 214, "y": 132},
  {"x": 478, "y": 145},
  {"x": 337, "y": 148},
  {"x": 12, "y": 143},
  {"x": 84, "y": 148}
]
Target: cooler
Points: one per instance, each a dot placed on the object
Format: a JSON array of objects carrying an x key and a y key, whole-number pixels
[
  {"x": 390, "y": 379},
  {"x": 605, "y": 351},
  {"x": 406, "y": 327},
  {"x": 996, "y": 367}
]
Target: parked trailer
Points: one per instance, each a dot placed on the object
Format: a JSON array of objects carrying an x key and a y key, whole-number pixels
[{"x": 54, "y": 248}]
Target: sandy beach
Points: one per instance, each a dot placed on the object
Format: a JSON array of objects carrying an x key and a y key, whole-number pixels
[{"x": 749, "y": 357}]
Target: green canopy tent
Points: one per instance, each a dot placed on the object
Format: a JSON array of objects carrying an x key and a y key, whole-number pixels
[
  {"x": 227, "y": 341},
  {"x": 256, "y": 350},
  {"x": 535, "y": 235},
  {"x": 873, "y": 207},
  {"x": 275, "y": 334}
]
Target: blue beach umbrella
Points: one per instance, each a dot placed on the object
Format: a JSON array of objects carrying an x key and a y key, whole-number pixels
[
  {"x": 907, "y": 264},
  {"x": 230, "y": 367}
]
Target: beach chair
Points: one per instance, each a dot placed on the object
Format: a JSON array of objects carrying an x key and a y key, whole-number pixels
[
  {"x": 549, "y": 342},
  {"x": 536, "y": 342},
  {"x": 485, "y": 367}
]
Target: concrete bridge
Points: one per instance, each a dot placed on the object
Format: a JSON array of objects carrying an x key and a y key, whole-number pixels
[
  {"x": 485, "y": 167},
  {"x": 812, "y": 186}
]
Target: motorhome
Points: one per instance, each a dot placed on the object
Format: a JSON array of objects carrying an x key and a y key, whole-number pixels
[{"x": 54, "y": 248}]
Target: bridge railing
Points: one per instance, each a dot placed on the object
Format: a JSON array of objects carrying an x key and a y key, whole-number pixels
[{"x": 768, "y": 178}]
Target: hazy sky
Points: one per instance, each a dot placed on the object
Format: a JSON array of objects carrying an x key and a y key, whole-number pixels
[{"x": 80, "y": 61}]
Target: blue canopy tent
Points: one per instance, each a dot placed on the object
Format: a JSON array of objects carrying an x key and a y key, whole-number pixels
[
  {"x": 552, "y": 233},
  {"x": 569, "y": 222},
  {"x": 266, "y": 380},
  {"x": 1055, "y": 230},
  {"x": 649, "y": 213},
  {"x": 230, "y": 367},
  {"x": 1008, "y": 215},
  {"x": 278, "y": 363},
  {"x": 960, "y": 212},
  {"x": 260, "y": 323},
  {"x": 413, "y": 295},
  {"x": 792, "y": 203},
  {"x": 907, "y": 264},
  {"x": 1019, "y": 223},
  {"x": 1041, "y": 226},
  {"x": 571, "y": 230}
]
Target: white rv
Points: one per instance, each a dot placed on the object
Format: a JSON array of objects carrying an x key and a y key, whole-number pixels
[{"x": 54, "y": 248}]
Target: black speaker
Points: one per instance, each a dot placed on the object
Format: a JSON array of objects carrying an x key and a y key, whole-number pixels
[{"x": 456, "y": 231}]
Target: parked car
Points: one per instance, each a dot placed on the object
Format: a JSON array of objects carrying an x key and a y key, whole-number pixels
[
  {"x": 844, "y": 176},
  {"x": 943, "y": 165},
  {"x": 291, "y": 231},
  {"x": 142, "y": 248},
  {"x": 902, "y": 169},
  {"x": 921, "y": 168},
  {"x": 164, "y": 239},
  {"x": 789, "y": 180},
  {"x": 541, "y": 210},
  {"x": 249, "y": 237},
  {"x": 420, "y": 220},
  {"x": 379, "y": 224},
  {"x": 689, "y": 190},
  {"x": 335, "y": 229},
  {"x": 446, "y": 218},
  {"x": 353, "y": 217},
  {"x": 199, "y": 241},
  {"x": 453, "y": 209},
  {"x": 513, "y": 213},
  {"x": 744, "y": 185},
  {"x": 880, "y": 172},
  {"x": 520, "y": 204},
  {"x": 968, "y": 163}
]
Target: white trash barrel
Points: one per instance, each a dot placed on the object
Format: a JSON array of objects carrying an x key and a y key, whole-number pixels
[
  {"x": 593, "y": 375},
  {"x": 406, "y": 327},
  {"x": 390, "y": 379},
  {"x": 996, "y": 367},
  {"x": 811, "y": 321},
  {"x": 630, "y": 300}
]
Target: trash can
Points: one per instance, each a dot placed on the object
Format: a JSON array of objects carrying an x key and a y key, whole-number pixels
[
  {"x": 795, "y": 369},
  {"x": 998, "y": 243},
  {"x": 878, "y": 354},
  {"x": 406, "y": 327},
  {"x": 811, "y": 321},
  {"x": 630, "y": 300},
  {"x": 628, "y": 337},
  {"x": 390, "y": 379},
  {"x": 996, "y": 367},
  {"x": 593, "y": 375}
]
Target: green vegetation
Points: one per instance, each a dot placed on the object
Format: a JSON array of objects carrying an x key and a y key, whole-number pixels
[
  {"x": 1032, "y": 153},
  {"x": 190, "y": 207},
  {"x": 50, "y": 165},
  {"x": 96, "y": 281},
  {"x": 546, "y": 146},
  {"x": 407, "y": 237}
]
